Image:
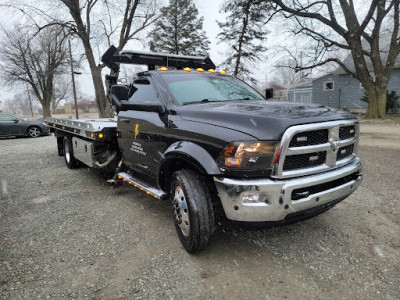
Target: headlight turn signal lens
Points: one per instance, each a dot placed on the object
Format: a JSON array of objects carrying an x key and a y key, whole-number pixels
[{"x": 247, "y": 155}]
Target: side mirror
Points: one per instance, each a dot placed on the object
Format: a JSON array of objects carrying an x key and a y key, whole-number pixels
[
  {"x": 269, "y": 93},
  {"x": 150, "y": 107}
]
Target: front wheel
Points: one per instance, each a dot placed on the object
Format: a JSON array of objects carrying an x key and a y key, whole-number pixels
[
  {"x": 34, "y": 131},
  {"x": 193, "y": 212}
]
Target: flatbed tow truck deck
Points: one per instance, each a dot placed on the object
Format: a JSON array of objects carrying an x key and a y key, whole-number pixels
[{"x": 87, "y": 128}]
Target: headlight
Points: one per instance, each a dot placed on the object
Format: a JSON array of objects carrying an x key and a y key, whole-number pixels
[{"x": 254, "y": 155}]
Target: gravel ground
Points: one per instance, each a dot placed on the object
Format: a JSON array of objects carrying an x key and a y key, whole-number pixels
[{"x": 64, "y": 234}]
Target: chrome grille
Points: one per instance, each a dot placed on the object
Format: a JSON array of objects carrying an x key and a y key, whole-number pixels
[
  {"x": 307, "y": 138},
  {"x": 347, "y": 132},
  {"x": 301, "y": 161},
  {"x": 344, "y": 152},
  {"x": 313, "y": 148}
]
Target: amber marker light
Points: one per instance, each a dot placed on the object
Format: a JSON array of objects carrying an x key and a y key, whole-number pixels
[
  {"x": 92, "y": 135},
  {"x": 148, "y": 193},
  {"x": 63, "y": 127},
  {"x": 100, "y": 135},
  {"x": 199, "y": 70},
  {"x": 211, "y": 71},
  {"x": 54, "y": 125},
  {"x": 222, "y": 72},
  {"x": 124, "y": 179},
  {"x": 163, "y": 69},
  {"x": 233, "y": 161},
  {"x": 187, "y": 69}
]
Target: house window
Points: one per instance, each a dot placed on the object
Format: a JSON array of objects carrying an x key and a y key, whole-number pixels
[{"x": 329, "y": 86}]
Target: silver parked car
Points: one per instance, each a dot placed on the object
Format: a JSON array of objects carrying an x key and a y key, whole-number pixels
[{"x": 13, "y": 126}]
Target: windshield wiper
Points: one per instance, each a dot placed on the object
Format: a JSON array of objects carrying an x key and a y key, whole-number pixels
[{"x": 206, "y": 100}]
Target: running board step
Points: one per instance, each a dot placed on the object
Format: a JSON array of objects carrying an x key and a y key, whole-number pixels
[{"x": 156, "y": 193}]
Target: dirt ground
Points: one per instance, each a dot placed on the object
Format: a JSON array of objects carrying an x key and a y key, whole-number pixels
[{"x": 64, "y": 234}]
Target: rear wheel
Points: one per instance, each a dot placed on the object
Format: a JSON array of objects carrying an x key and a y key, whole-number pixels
[
  {"x": 70, "y": 159},
  {"x": 34, "y": 131},
  {"x": 193, "y": 212}
]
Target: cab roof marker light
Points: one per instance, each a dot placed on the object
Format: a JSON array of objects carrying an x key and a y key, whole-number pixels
[
  {"x": 187, "y": 69},
  {"x": 222, "y": 72},
  {"x": 200, "y": 70},
  {"x": 100, "y": 135},
  {"x": 163, "y": 69},
  {"x": 211, "y": 71}
]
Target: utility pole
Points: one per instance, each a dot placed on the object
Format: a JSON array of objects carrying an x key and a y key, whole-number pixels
[
  {"x": 30, "y": 99},
  {"x": 73, "y": 79}
]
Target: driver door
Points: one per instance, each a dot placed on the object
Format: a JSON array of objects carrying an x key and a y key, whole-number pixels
[{"x": 141, "y": 142}]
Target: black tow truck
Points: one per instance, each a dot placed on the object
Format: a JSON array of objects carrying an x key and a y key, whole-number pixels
[{"x": 210, "y": 143}]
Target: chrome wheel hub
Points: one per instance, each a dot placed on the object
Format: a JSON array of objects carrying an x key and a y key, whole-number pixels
[
  {"x": 34, "y": 132},
  {"x": 67, "y": 154},
  {"x": 181, "y": 211}
]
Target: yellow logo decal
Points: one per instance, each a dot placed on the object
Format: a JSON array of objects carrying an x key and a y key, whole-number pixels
[{"x": 136, "y": 130}]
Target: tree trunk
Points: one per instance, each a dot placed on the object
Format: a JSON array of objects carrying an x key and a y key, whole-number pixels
[
  {"x": 46, "y": 109},
  {"x": 102, "y": 102},
  {"x": 377, "y": 102},
  {"x": 241, "y": 37}
]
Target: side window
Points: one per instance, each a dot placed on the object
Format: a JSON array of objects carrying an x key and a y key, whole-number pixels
[
  {"x": 143, "y": 92},
  {"x": 6, "y": 118},
  {"x": 329, "y": 86}
]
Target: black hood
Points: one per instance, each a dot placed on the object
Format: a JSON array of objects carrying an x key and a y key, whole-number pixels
[{"x": 265, "y": 120}]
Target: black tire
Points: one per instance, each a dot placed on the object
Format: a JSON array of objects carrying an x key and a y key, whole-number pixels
[
  {"x": 69, "y": 157},
  {"x": 60, "y": 146},
  {"x": 34, "y": 131},
  {"x": 193, "y": 212}
]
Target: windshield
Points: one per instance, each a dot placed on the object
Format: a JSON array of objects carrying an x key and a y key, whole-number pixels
[{"x": 198, "y": 88}]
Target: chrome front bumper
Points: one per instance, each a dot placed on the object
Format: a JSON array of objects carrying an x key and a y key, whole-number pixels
[{"x": 261, "y": 200}]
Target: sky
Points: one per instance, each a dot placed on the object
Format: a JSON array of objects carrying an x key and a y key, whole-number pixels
[{"x": 209, "y": 9}]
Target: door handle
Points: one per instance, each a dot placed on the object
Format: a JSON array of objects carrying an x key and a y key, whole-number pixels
[{"x": 125, "y": 120}]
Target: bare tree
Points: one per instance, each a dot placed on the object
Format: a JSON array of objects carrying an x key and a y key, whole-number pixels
[
  {"x": 35, "y": 61},
  {"x": 335, "y": 25},
  {"x": 62, "y": 91},
  {"x": 285, "y": 73},
  {"x": 126, "y": 19},
  {"x": 19, "y": 102}
]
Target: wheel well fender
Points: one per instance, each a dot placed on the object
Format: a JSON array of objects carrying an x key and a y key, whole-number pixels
[
  {"x": 31, "y": 126},
  {"x": 185, "y": 155}
]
